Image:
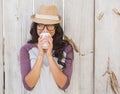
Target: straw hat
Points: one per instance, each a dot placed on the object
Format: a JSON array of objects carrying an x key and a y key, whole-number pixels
[{"x": 47, "y": 15}]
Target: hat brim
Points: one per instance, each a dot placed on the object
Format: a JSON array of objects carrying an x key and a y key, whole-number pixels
[{"x": 45, "y": 21}]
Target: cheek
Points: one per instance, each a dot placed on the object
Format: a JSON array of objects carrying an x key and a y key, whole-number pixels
[
  {"x": 52, "y": 33},
  {"x": 39, "y": 32}
]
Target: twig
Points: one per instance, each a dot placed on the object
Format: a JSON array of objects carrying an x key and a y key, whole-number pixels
[
  {"x": 100, "y": 16},
  {"x": 116, "y": 11},
  {"x": 113, "y": 79},
  {"x": 72, "y": 43},
  {"x": 75, "y": 47}
]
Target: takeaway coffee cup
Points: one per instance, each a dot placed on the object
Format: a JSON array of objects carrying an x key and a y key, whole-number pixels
[{"x": 44, "y": 35}]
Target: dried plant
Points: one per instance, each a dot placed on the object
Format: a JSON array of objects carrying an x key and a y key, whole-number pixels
[
  {"x": 100, "y": 16},
  {"x": 116, "y": 11},
  {"x": 75, "y": 47},
  {"x": 114, "y": 83},
  {"x": 72, "y": 43},
  {"x": 113, "y": 79}
]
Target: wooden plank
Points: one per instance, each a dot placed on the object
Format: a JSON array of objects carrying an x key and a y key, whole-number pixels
[
  {"x": 107, "y": 44},
  {"x": 1, "y": 47},
  {"x": 79, "y": 25},
  {"x": 16, "y": 30}
]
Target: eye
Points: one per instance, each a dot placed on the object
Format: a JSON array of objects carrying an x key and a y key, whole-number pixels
[
  {"x": 40, "y": 26},
  {"x": 51, "y": 27}
]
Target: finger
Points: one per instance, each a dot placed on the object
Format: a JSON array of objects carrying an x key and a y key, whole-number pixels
[
  {"x": 50, "y": 41},
  {"x": 50, "y": 38},
  {"x": 40, "y": 39}
]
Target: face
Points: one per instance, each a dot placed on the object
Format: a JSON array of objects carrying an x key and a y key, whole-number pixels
[{"x": 46, "y": 28}]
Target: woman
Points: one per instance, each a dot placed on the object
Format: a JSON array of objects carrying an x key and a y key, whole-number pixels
[{"x": 46, "y": 70}]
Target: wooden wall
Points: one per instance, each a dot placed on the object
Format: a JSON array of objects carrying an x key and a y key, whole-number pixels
[
  {"x": 1, "y": 48},
  {"x": 79, "y": 25},
  {"x": 92, "y": 24},
  {"x": 107, "y": 44},
  {"x": 16, "y": 33}
]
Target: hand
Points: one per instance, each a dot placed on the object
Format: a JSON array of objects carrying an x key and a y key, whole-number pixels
[
  {"x": 50, "y": 46},
  {"x": 40, "y": 48}
]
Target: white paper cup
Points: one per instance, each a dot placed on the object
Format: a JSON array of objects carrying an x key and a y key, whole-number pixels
[{"x": 44, "y": 35}]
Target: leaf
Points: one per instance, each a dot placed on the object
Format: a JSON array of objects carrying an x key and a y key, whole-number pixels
[
  {"x": 116, "y": 11},
  {"x": 100, "y": 16},
  {"x": 114, "y": 83}
]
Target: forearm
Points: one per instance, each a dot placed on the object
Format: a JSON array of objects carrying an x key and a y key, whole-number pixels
[
  {"x": 59, "y": 77},
  {"x": 33, "y": 76}
]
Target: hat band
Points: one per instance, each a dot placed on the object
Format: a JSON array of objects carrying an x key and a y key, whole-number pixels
[{"x": 50, "y": 17}]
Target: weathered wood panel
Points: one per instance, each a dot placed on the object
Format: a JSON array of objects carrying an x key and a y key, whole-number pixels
[
  {"x": 79, "y": 25},
  {"x": 107, "y": 43},
  {"x": 16, "y": 27},
  {"x": 1, "y": 47}
]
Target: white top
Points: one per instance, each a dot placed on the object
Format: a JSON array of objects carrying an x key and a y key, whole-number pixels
[{"x": 46, "y": 84}]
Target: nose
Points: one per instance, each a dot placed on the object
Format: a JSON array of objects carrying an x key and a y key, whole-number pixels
[{"x": 45, "y": 29}]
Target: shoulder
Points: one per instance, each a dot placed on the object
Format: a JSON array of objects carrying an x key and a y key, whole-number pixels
[
  {"x": 68, "y": 48},
  {"x": 27, "y": 46},
  {"x": 69, "y": 52}
]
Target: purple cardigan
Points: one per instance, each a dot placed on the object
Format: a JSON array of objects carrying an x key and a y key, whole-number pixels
[{"x": 25, "y": 63}]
